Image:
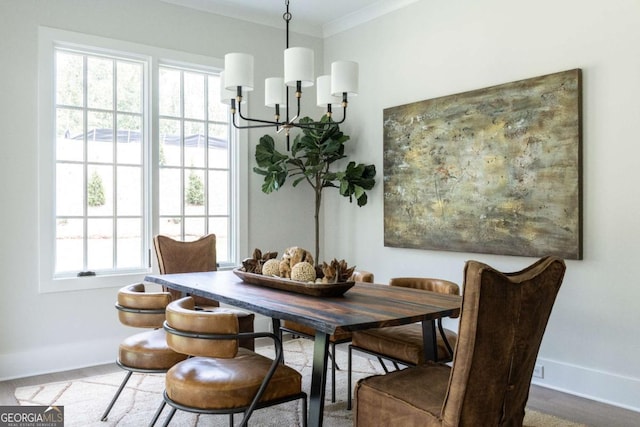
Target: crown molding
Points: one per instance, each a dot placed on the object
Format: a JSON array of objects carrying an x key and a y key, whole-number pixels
[
  {"x": 299, "y": 24},
  {"x": 363, "y": 15}
]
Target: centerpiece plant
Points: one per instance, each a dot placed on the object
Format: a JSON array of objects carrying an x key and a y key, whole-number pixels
[{"x": 312, "y": 155}]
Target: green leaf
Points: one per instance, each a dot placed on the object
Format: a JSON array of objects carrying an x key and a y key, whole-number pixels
[
  {"x": 315, "y": 148},
  {"x": 362, "y": 200},
  {"x": 266, "y": 153}
]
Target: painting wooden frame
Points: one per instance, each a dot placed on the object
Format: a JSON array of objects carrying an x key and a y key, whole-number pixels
[{"x": 495, "y": 170}]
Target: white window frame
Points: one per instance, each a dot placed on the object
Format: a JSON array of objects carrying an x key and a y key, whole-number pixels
[{"x": 48, "y": 38}]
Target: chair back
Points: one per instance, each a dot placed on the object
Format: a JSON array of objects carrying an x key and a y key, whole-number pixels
[
  {"x": 141, "y": 309},
  {"x": 501, "y": 327},
  {"x": 361, "y": 276},
  {"x": 175, "y": 256},
  {"x": 427, "y": 284},
  {"x": 200, "y": 333}
]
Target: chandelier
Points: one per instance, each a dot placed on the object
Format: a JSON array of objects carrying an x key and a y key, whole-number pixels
[{"x": 331, "y": 90}]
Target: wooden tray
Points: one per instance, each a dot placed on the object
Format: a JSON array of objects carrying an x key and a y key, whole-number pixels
[{"x": 313, "y": 289}]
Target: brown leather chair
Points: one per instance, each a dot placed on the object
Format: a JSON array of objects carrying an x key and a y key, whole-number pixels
[
  {"x": 175, "y": 256},
  {"x": 146, "y": 351},
  {"x": 221, "y": 377},
  {"x": 338, "y": 337},
  {"x": 501, "y": 326},
  {"x": 405, "y": 344}
]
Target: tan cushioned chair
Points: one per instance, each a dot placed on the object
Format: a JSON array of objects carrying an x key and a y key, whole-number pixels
[
  {"x": 405, "y": 344},
  {"x": 221, "y": 377},
  {"x": 146, "y": 351},
  {"x": 175, "y": 256},
  {"x": 501, "y": 326}
]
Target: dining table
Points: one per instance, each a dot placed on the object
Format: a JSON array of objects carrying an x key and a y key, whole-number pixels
[{"x": 362, "y": 306}]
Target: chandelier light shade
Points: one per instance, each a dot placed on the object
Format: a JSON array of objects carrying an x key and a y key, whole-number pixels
[
  {"x": 298, "y": 66},
  {"x": 274, "y": 92},
  {"x": 332, "y": 90},
  {"x": 226, "y": 95},
  {"x": 344, "y": 78},
  {"x": 238, "y": 69},
  {"x": 323, "y": 92}
]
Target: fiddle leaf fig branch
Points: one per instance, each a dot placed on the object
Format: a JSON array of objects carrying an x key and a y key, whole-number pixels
[{"x": 312, "y": 154}]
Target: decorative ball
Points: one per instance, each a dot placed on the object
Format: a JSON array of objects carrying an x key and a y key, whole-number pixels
[
  {"x": 271, "y": 268},
  {"x": 303, "y": 272}
]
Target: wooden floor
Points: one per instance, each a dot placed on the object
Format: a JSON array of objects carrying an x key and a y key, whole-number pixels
[
  {"x": 552, "y": 402},
  {"x": 541, "y": 399}
]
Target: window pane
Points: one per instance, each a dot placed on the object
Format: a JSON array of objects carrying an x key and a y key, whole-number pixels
[
  {"x": 69, "y": 135},
  {"x": 129, "y": 139},
  {"x": 100, "y": 137},
  {"x": 69, "y": 79},
  {"x": 100, "y": 163},
  {"x": 169, "y": 92},
  {"x": 129, "y": 243},
  {"x": 129, "y": 180},
  {"x": 100, "y": 244},
  {"x": 220, "y": 227},
  {"x": 170, "y": 136},
  {"x": 99, "y": 190},
  {"x": 129, "y": 87},
  {"x": 69, "y": 244},
  {"x": 194, "y": 145},
  {"x": 217, "y": 111},
  {"x": 169, "y": 191},
  {"x": 69, "y": 189},
  {"x": 218, "y": 193},
  {"x": 99, "y": 83},
  {"x": 194, "y": 192},
  {"x": 194, "y": 96},
  {"x": 218, "y": 146},
  {"x": 193, "y": 228},
  {"x": 171, "y": 227}
]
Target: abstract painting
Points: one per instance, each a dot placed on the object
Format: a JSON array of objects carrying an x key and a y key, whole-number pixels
[{"x": 495, "y": 170}]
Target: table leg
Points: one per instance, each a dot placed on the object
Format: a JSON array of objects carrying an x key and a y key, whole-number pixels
[
  {"x": 430, "y": 340},
  {"x": 318, "y": 379},
  {"x": 275, "y": 324}
]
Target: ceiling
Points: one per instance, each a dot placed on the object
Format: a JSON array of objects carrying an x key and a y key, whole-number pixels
[{"x": 320, "y": 18}]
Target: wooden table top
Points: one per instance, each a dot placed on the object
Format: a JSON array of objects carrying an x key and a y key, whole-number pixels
[{"x": 363, "y": 306}]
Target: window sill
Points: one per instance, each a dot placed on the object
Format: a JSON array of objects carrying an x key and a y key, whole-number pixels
[{"x": 89, "y": 282}]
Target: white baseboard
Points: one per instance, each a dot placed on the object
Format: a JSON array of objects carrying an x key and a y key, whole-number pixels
[
  {"x": 68, "y": 356},
  {"x": 58, "y": 358},
  {"x": 592, "y": 384}
]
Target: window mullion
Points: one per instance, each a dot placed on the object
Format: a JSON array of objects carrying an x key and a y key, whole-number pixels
[
  {"x": 183, "y": 147},
  {"x": 114, "y": 173},
  {"x": 206, "y": 155},
  {"x": 85, "y": 141}
]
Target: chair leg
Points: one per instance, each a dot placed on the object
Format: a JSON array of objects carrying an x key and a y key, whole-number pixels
[
  {"x": 231, "y": 420},
  {"x": 157, "y": 414},
  {"x": 334, "y": 365},
  {"x": 113, "y": 401},
  {"x": 169, "y": 417},
  {"x": 304, "y": 411},
  {"x": 349, "y": 379},
  {"x": 331, "y": 353},
  {"x": 386, "y": 371}
]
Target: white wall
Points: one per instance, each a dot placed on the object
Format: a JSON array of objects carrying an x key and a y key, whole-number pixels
[
  {"x": 426, "y": 50},
  {"x": 58, "y": 331},
  {"x": 431, "y": 49}
]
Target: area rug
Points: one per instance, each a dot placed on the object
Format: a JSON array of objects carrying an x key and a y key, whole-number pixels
[{"x": 85, "y": 400}]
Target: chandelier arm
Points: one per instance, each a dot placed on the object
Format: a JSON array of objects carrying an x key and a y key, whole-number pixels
[
  {"x": 237, "y": 126},
  {"x": 310, "y": 125},
  {"x": 267, "y": 122}
]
